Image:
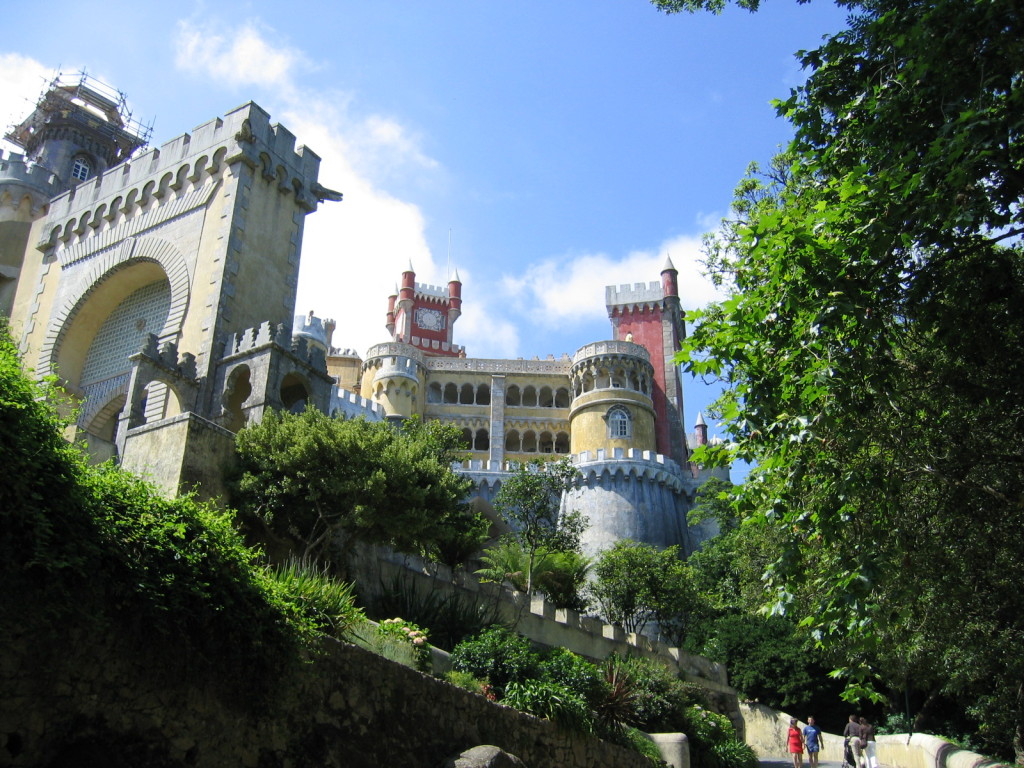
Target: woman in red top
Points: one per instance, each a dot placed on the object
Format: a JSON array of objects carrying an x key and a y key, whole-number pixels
[{"x": 796, "y": 744}]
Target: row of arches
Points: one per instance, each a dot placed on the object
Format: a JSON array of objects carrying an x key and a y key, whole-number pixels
[
  {"x": 528, "y": 441},
  {"x": 589, "y": 379},
  {"x": 187, "y": 176},
  {"x": 528, "y": 396}
]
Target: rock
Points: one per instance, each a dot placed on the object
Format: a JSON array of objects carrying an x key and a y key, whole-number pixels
[{"x": 484, "y": 756}]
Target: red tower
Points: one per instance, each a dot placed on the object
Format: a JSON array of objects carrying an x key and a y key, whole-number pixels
[
  {"x": 651, "y": 315},
  {"x": 423, "y": 315}
]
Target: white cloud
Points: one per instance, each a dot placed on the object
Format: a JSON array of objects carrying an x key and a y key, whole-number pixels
[
  {"x": 21, "y": 82},
  {"x": 244, "y": 58},
  {"x": 354, "y": 251},
  {"x": 570, "y": 288}
]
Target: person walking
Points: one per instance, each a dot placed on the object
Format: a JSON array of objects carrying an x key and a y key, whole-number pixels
[
  {"x": 796, "y": 744},
  {"x": 812, "y": 738},
  {"x": 867, "y": 739},
  {"x": 851, "y": 737}
]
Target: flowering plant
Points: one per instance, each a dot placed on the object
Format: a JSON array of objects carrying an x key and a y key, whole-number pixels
[{"x": 406, "y": 632}]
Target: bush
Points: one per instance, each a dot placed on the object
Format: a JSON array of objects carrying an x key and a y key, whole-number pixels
[
  {"x": 450, "y": 618},
  {"x": 499, "y": 656},
  {"x": 733, "y": 753},
  {"x": 548, "y": 699},
  {"x": 575, "y": 673},
  {"x": 405, "y": 633},
  {"x": 658, "y": 699}
]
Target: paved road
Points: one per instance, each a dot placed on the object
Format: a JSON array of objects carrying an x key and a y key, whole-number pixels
[{"x": 781, "y": 762}]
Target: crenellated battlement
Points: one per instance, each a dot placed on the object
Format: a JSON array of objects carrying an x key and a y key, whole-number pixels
[
  {"x": 427, "y": 291},
  {"x": 559, "y": 367},
  {"x": 354, "y": 406},
  {"x": 434, "y": 344},
  {"x": 594, "y": 466},
  {"x": 274, "y": 334},
  {"x": 243, "y": 135},
  {"x": 165, "y": 356},
  {"x": 637, "y": 294},
  {"x": 14, "y": 168}
]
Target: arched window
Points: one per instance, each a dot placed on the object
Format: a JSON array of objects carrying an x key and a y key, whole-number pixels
[
  {"x": 512, "y": 395},
  {"x": 512, "y": 442},
  {"x": 466, "y": 394},
  {"x": 529, "y": 442},
  {"x": 483, "y": 441},
  {"x": 483, "y": 395},
  {"x": 530, "y": 397},
  {"x": 451, "y": 393},
  {"x": 82, "y": 168},
  {"x": 562, "y": 398},
  {"x": 547, "y": 443},
  {"x": 620, "y": 424},
  {"x": 545, "y": 399},
  {"x": 434, "y": 393},
  {"x": 561, "y": 443}
]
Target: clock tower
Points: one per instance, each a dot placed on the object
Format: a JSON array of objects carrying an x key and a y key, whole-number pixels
[{"x": 423, "y": 315}]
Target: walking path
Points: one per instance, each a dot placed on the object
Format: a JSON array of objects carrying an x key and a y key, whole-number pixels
[{"x": 782, "y": 762}]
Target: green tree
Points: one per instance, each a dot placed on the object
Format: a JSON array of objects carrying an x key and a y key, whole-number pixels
[
  {"x": 530, "y": 500},
  {"x": 871, "y": 350},
  {"x": 328, "y": 484},
  {"x": 637, "y": 583}
]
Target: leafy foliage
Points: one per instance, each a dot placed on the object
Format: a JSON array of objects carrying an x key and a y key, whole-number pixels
[
  {"x": 637, "y": 583},
  {"x": 560, "y": 575},
  {"x": 529, "y": 501},
  {"x": 100, "y": 550},
  {"x": 871, "y": 348},
  {"x": 321, "y": 482},
  {"x": 548, "y": 699},
  {"x": 449, "y": 616},
  {"x": 498, "y": 656}
]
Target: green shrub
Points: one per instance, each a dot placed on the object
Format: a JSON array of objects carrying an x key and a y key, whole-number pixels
[
  {"x": 548, "y": 699},
  {"x": 450, "y": 618},
  {"x": 324, "y": 602},
  {"x": 402, "y": 632},
  {"x": 470, "y": 683},
  {"x": 575, "y": 673},
  {"x": 658, "y": 699},
  {"x": 733, "y": 753},
  {"x": 499, "y": 656}
]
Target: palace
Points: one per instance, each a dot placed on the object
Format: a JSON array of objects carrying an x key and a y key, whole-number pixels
[{"x": 159, "y": 285}]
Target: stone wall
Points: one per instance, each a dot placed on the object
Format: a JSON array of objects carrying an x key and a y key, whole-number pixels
[
  {"x": 81, "y": 698},
  {"x": 378, "y": 569}
]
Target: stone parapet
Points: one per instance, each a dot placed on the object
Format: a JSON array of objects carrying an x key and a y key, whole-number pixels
[
  {"x": 242, "y": 135},
  {"x": 354, "y": 406},
  {"x": 15, "y": 169},
  {"x": 639, "y": 294},
  {"x": 602, "y": 348},
  {"x": 552, "y": 366}
]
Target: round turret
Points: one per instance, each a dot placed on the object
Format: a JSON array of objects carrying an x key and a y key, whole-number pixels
[
  {"x": 313, "y": 330},
  {"x": 612, "y": 407},
  {"x": 392, "y": 376}
]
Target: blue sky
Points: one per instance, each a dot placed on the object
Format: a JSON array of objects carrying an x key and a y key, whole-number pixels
[{"x": 563, "y": 145}]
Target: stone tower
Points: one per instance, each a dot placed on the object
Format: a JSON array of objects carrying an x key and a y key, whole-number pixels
[
  {"x": 162, "y": 290},
  {"x": 423, "y": 316},
  {"x": 78, "y": 129},
  {"x": 651, "y": 315}
]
